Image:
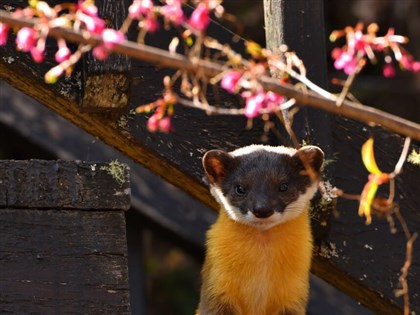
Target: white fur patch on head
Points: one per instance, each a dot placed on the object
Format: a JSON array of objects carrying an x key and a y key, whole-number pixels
[
  {"x": 234, "y": 213},
  {"x": 294, "y": 209},
  {"x": 291, "y": 212},
  {"x": 257, "y": 147}
]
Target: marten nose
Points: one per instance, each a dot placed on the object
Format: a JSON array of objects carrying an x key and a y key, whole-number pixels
[{"x": 262, "y": 211}]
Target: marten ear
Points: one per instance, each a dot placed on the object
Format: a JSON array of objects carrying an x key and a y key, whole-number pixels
[
  {"x": 217, "y": 165},
  {"x": 311, "y": 156}
]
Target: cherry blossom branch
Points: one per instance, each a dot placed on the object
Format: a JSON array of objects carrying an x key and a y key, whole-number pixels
[
  {"x": 210, "y": 69},
  {"x": 211, "y": 110}
]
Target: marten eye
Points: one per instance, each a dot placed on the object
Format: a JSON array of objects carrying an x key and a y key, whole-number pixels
[
  {"x": 284, "y": 187},
  {"x": 239, "y": 190}
]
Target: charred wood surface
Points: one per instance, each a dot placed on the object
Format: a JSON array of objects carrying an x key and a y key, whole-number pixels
[{"x": 63, "y": 243}]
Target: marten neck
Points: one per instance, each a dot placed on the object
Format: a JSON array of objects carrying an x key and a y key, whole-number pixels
[{"x": 291, "y": 229}]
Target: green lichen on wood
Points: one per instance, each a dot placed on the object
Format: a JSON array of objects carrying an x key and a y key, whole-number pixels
[
  {"x": 117, "y": 170},
  {"x": 414, "y": 157}
]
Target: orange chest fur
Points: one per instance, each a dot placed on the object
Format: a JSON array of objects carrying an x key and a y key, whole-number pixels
[{"x": 260, "y": 272}]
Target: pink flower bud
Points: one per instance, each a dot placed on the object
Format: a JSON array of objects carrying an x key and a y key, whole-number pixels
[
  {"x": 200, "y": 18},
  {"x": 153, "y": 123},
  {"x": 350, "y": 67},
  {"x": 150, "y": 23},
  {"x": 336, "y": 53},
  {"x": 230, "y": 81},
  {"x": 37, "y": 54},
  {"x": 63, "y": 53},
  {"x": 26, "y": 39},
  {"x": 273, "y": 100},
  {"x": 173, "y": 12},
  {"x": 341, "y": 60},
  {"x": 4, "y": 31},
  {"x": 112, "y": 37},
  {"x": 100, "y": 52},
  {"x": 415, "y": 66},
  {"x": 388, "y": 70},
  {"x": 88, "y": 7},
  {"x": 408, "y": 63},
  {"x": 94, "y": 24},
  {"x": 140, "y": 7},
  {"x": 53, "y": 74},
  {"x": 254, "y": 103},
  {"x": 165, "y": 124}
]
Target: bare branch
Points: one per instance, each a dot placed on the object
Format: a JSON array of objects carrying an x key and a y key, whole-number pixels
[
  {"x": 211, "y": 69},
  {"x": 402, "y": 158}
]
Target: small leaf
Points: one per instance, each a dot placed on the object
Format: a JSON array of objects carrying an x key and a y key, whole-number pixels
[
  {"x": 368, "y": 157},
  {"x": 368, "y": 193}
]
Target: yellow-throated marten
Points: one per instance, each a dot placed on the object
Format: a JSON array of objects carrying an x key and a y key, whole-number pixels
[{"x": 259, "y": 249}]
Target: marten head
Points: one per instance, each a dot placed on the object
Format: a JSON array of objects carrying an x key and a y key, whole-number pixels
[{"x": 263, "y": 186}]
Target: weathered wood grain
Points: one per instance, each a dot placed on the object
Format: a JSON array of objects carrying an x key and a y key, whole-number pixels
[
  {"x": 62, "y": 184},
  {"x": 63, "y": 262},
  {"x": 106, "y": 84},
  {"x": 63, "y": 245}
]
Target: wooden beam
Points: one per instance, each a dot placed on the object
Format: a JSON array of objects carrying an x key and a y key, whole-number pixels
[
  {"x": 106, "y": 84},
  {"x": 57, "y": 257},
  {"x": 63, "y": 184}
]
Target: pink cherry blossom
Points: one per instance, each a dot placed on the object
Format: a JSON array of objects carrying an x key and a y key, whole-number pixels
[
  {"x": 356, "y": 42},
  {"x": 112, "y": 37},
  {"x": 26, "y": 39},
  {"x": 344, "y": 60},
  {"x": 165, "y": 124},
  {"x": 150, "y": 23},
  {"x": 88, "y": 8},
  {"x": 37, "y": 54},
  {"x": 4, "y": 31},
  {"x": 200, "y": 18},
  {"x": 94, "y": 24},
  {"x": 100, "y": 52},
  {"x": 153, "y": 123},
  {"x": 173, "y": 13},
  {"x": 63, "y": 53},
  {"x": 360, "y": 46},
  {"x": 140, "y": 7},
  {"x": 388, "y": 70},
  {"x": 230, "y": 81},
  {"x": 415, "y": 66},
  {"x": 408, "y": 63},
  {"x": 254, "y": 103},
  {"x": 273, "y": 100}
]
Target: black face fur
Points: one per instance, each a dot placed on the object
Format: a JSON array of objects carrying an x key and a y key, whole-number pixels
[{"x": 262, "y": 182}]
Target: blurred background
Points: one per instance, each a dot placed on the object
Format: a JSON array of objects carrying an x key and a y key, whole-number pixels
[{"x": 165, "y": 273}]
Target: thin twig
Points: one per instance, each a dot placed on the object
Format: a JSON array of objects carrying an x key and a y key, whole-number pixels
[
  {"x": 350, "y": 79},
  {"x": 402, "y": 159},
  {"x": 407, "y": 263}
]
